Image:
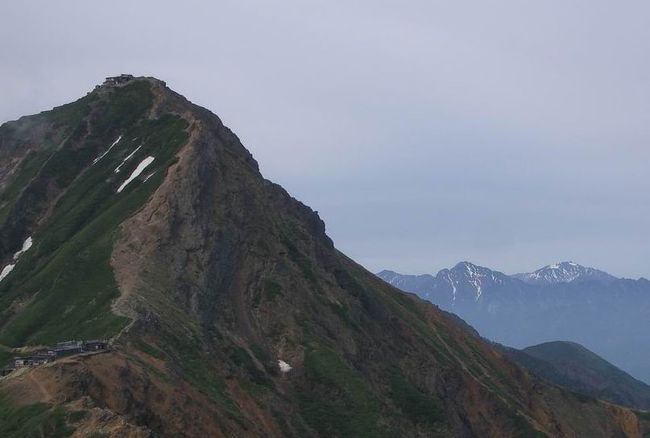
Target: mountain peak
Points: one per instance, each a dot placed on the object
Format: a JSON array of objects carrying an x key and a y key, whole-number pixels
[
  {"x": 469, "y": 269},
  {"x": 135, "y": 216},
  {"x": 565, "y": 265},
  {"x": 125, "y": 79},
  {"x": 469, "y": 266},
  {"x": 564, "y": 272},
  {"x": 467, "y": 278}
]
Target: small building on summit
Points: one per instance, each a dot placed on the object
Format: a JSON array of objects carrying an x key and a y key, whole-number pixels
[
  {"x": 40, "y": 359},
  {"x": 67, "y": 348},
  {"x": 118, "y": 80}
]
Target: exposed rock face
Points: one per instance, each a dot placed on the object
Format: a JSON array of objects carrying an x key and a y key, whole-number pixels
[{"x": 218, "y": 276}]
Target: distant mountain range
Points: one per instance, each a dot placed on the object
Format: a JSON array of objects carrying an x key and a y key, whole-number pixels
[
  {"x": 563, "y": 301},
  {"x": 572, "y": 366}
]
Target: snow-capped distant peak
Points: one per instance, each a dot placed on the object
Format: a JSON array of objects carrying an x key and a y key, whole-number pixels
[
  {"x": 564, "y": 272},
  {"x": 400, "y": 280},
  {"x": 389, "y": 276},
  {"x": 471, "y": 270},
  {"x": 468, "y": 277}
]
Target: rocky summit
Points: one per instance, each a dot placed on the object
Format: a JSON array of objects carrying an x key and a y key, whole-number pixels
[{"x": 136, "y": 217}]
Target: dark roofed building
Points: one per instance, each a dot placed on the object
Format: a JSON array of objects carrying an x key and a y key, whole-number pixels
[
  {"x": 50, "y": 354},
  {"x": 30, "y": 361},
  {"x": 40, "y": 359},
  {"x": 67, "y": 348},
  {"x": 20, "y": 362},
  {"x": 95, "y": 345},
  {"x": 118, "y": 80}
]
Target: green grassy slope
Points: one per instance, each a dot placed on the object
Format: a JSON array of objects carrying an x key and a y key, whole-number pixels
[
  {"x": 572, "y": 366},
  {"x": 63, "y": 286}
]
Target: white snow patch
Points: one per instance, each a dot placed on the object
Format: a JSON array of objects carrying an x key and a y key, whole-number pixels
[
  {"x": 5, "y": 271},
  {"x": 284, "y": 367},
  {"x": 146, "y": 178},
  {"x": 453, "y": 293},
  {"x": 107, "y": 150},
  {"x": 26, "y": 245},
  {"x": 453, "y": 289},
  {"x": 136, "y": 172},
  {"x": 117, "y": 169},
  {"x": 479, "y": 290}
]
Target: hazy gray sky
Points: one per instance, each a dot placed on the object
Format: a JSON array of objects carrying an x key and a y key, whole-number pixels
[{"x": 508, "y": 133}]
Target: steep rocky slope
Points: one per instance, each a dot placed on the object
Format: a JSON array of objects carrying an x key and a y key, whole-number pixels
[{"x": 230, "y": 310}]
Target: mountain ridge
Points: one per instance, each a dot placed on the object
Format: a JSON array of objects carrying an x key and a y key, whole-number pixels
[
  {"x": 230, "y": 311},
  {"x": 564, "y": 272},
  {"x": 591, "y": 308}
]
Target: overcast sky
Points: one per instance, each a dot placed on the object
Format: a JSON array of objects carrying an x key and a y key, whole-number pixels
[{"x": 512, "y": 134}]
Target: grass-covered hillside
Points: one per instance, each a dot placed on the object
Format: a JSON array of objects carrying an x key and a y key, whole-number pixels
[
  {"x": 63, "y": 194},
  {"x": 572, "y": 366}
]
